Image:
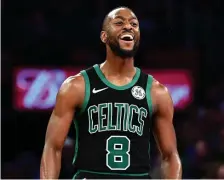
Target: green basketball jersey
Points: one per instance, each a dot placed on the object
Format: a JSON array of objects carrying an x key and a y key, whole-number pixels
[{"x": 113, "y": 126}]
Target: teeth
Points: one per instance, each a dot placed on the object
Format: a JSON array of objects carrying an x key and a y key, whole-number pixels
[{"x": 127, "y": 35}]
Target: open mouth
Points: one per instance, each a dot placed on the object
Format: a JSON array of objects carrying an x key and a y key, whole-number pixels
[{"x": 127, "y": 37}]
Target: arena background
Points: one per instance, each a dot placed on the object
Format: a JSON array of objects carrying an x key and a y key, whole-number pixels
[{"x": 44, "y": 41}]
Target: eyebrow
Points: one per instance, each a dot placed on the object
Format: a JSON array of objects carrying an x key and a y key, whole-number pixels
[{"x": 121, "y": 17}]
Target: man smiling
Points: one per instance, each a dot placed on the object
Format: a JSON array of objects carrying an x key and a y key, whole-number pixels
[{"x": 113, "y": 105}]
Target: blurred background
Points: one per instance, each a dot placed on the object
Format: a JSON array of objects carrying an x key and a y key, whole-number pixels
[{"x": 45, "y": 41}]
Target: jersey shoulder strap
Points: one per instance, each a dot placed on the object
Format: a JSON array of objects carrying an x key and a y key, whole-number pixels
[
  {"x": 149, "y": 80},
  {"x": 85, "y": 74}
]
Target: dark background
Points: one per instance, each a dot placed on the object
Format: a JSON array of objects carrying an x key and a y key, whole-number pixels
[{"x": 174, "y": 34}]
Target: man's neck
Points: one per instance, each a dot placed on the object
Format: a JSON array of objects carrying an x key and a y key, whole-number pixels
[{"x": 119, "y": 66}]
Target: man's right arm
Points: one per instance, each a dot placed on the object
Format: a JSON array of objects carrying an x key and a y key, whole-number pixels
[{"x": 70, "y": 96}]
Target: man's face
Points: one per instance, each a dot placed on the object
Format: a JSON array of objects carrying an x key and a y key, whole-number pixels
[{"x": 123, "y": 32}]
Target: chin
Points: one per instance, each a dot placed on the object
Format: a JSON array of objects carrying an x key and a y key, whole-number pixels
[{"x": 124, "y": 52}]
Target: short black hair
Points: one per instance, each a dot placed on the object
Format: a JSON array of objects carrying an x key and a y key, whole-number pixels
[{"x": 106, "y": 19}]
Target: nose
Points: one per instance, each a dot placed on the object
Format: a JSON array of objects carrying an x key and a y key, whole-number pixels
[{"x": 127, "y": 26}]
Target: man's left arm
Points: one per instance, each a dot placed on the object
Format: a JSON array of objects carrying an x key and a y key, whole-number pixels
[{"x": 164, "y": 132}]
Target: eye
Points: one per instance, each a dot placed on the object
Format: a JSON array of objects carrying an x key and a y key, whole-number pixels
[
  {"x": 119, "y": 23},
  {"x": 134, "y": 24}
]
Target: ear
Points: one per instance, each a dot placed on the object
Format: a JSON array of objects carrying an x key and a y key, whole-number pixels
[{"x": 103, "y": 36}]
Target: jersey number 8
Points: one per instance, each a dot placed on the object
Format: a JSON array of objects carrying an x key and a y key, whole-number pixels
[{"x": 118, "y": 157}]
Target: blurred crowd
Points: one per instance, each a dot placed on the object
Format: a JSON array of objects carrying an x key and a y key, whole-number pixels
[
  {"x": 200, "y": 137},
  {"x": 66, "y": 33}
]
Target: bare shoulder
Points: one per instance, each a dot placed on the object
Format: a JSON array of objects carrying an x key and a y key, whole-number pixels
[
  {"x": 160, "y": 95},
  {"x": 158, "y": 88},
  {"x": 73, "y": 89},
  {"x": 72, "y": 83}
]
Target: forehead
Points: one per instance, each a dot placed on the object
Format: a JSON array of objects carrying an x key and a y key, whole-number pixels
[{"x": 121, "y": 12}]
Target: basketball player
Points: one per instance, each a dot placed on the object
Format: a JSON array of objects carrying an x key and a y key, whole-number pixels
[{"x": 113, "y": 104}]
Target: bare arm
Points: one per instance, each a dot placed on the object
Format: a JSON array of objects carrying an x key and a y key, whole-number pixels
[
  {"x": 68, "y": 98},
  {"x": 164, "y": 132}
]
